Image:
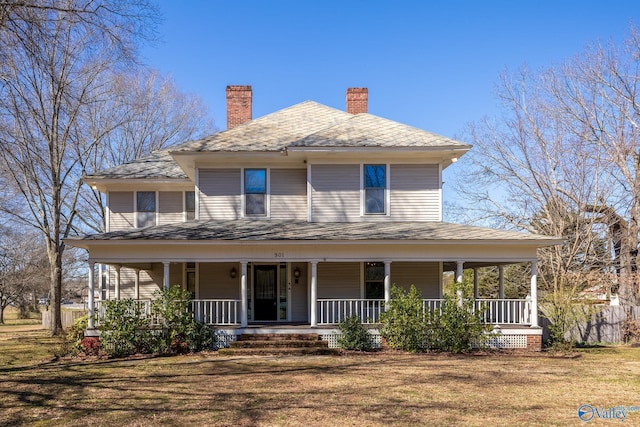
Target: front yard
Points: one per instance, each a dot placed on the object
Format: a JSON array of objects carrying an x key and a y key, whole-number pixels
[{"x": 368, "y": 389}]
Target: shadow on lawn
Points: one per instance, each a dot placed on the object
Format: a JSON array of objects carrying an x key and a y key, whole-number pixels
[{"x": 239, "y": 390}]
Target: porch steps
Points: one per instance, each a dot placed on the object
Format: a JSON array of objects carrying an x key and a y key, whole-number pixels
[{"x": 284, "y": 344}]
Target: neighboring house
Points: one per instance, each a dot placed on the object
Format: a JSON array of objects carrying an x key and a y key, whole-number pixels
[{"x": 302, "y": 216}]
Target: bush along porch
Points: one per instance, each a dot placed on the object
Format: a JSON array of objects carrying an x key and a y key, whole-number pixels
[{"x": 172, "y": 324}]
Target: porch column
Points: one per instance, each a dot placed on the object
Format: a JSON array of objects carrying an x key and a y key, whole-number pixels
[
  {"x": 534, "y": 293},
  {"x": 165, "y": 280},
  {"x": 387, "y": 281},
  {"x": 90, "y": 296},
  {"x": 107, "y": 283},
  {"x": 476, "y": 292},
  {"x": 101, "y": 282},
  {"x": 118, "y": 267},
  {"x": 136, "y": 284},
  {"x": 460, "y": 266},
  {"x": 314, "y": 293},
  {"x": 243, "y": 295},
  {"x": 501, "y": 281}
]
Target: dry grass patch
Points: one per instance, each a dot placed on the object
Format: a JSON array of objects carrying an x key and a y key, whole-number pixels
[{"x": 369, "y": 389}]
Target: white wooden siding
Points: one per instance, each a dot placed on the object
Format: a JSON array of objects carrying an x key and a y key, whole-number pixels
[
  {"x": 120, "y": 210},
  {"x": 216, "y": 282},
  {"x": 299, "y": 301},
  {"x": 424, "y": 275},
  {"x": 338, "y": 280},
  {"x": 175, "y": 274},
  {"x": 335, "y": 193},
  {"x": 289, "y": 194},
  {"x": 170, "y": 209},
  {"x": 150, "y": 282},
  {"x": 415, "y": 194},
  {"x": 219, "y": 194}
]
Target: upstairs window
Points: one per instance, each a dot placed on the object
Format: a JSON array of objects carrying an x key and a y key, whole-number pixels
[
  {"x": 145, "y": 208},
  {"x": 255, "y": 192},
  {"x": 190, "y": 205},
  {"x": 375, "y": 182}
]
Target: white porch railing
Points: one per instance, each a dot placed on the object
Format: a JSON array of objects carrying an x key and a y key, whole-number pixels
[
  {"x": 216, "y": 311},
  {"x": 209, "y": 311},
  {"x": 495, "y": 311},
  {"x": 333, "y": 311},
  {"x": 506, "y": 311}
]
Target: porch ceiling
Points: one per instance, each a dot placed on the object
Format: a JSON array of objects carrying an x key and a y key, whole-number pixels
[{"x": 300, "y": 231}]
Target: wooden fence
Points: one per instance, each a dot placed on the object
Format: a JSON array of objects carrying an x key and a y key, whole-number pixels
[
  {"x": 606, "y": 326},
  {"x": 68, "y": 317}
]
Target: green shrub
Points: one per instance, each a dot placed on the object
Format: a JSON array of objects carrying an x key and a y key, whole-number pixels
[
  {"x": 171, "y": 329},
  {"x": 75, "y": 334},
  {"x": 125, "y": 329},
  {"x": 455, "y": 326},
  {"x": 403, "y": 324},
  {"x": 354, "y": 336},
  {"x": 181, "y": 332}
]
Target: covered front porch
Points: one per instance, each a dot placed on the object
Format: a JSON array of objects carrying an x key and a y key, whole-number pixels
[
  {"x": 243, "y": 272},
  {"x": 318, "y": 294}
]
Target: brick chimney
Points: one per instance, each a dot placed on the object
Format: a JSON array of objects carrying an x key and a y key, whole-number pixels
[
  {"x": 238, "y": 105},
  {"x": 357, "y": 100}
]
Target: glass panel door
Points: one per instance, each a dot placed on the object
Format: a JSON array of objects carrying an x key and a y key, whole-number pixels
[{"x": 265, "y": 292}]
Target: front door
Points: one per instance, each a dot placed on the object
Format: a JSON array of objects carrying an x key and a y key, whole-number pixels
[{"x": 266, "y": 292}]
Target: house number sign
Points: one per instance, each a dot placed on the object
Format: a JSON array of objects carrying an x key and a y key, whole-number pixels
[{"x": 278, "y": 254}]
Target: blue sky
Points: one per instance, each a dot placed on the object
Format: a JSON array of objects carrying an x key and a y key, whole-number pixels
[{"x": 429, "y": 64}]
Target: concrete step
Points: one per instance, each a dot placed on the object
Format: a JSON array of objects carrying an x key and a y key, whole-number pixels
[
  {"x": 301, "y": 351},
  {"x": 278, "y": 337},
  {"x": 278, "y": 344}
]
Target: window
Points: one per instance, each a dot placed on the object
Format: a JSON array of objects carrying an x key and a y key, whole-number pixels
[
  {"x": 190, "y": 205},
  {"x": 374, "y": 280},
  {"x": 255, "y": 191},
  {"x": 375, "y": 182},
  {"x": 145, "y": 208}
]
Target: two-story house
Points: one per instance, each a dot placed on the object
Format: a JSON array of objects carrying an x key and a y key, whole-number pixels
[{"x": 303, "y": 216}]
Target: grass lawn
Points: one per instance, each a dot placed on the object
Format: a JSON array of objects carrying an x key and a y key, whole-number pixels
[{"x": 360, "y": 390}]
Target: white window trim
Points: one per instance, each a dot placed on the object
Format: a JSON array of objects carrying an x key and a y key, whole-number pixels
[
  {"x": 197, "y": 190},
  {"x": 387, "y": 192},
  {"x": 107, "y": 220},
  {"x": 309, "y": 197},
  {"x": 267, "y": 195},
  {"x": 184, "y": 206},
  {"x": 440, "y": 193},
  {"x": 135, "y": 206}
]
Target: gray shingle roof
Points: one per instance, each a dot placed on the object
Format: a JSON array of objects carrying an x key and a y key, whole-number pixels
[
  {"x": 157, "y": 165},
  {"x": 366, "y": 130},
  {"x": 250, "y": 230},
  {"x": 273, "y": 132},
  {"x": 304, "y": 125}
]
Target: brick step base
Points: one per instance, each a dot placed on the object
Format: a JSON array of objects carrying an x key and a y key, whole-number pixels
[
  {"x": 278, "y": 337},
  {"x": 278, "y": 344},
  {"x": 285, "y": 344},
  {"x": 279, "y": 351}
]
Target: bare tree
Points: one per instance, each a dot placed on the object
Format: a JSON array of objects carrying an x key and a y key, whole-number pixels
[
  {"x": 146, "y": 113},
  {"x": 52, "y": 66},
  {"x": 22, "y": 269},
  {"x": 564, "y": 160}
]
